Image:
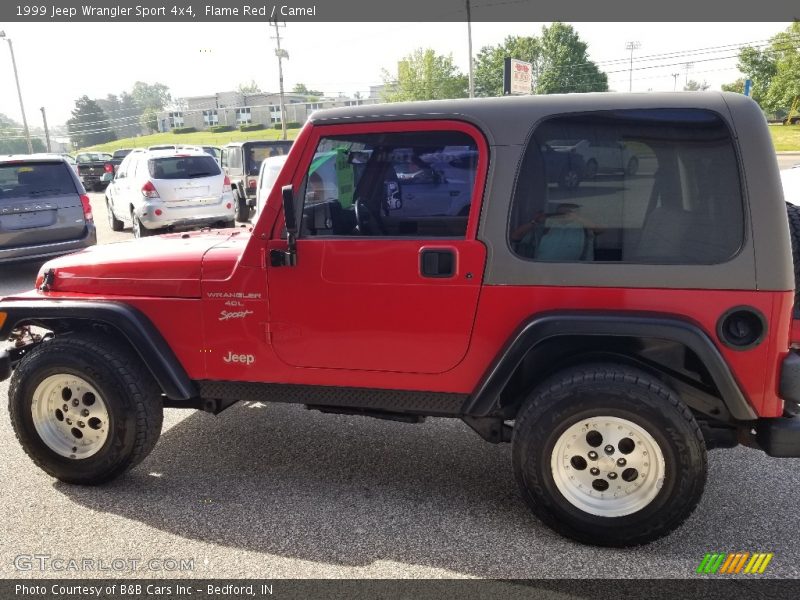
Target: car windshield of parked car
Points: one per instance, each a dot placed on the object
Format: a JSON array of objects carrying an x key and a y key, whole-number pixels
[
  {"x": 212, "y": 151},
  {"x": 92, "y": 157},
  {"x": 121, "y": 153},
  {"x": 257, "y": 154},
  {"x": 35, "y": 180},
  {"x": 183, "y": 167}
]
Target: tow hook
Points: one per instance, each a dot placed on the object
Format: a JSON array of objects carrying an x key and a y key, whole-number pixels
[{"x": 47, "y": 280}]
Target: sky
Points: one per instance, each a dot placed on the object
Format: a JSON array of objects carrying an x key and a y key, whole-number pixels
[{"x": 59, "y": 62}]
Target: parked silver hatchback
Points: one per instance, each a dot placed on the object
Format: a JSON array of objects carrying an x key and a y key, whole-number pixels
[
  {"x": 158, "y": 190},
  {"x": 44, "y": 210}
]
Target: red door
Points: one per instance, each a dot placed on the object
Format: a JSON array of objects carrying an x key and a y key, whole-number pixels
[{"x": 379, "y": 286}]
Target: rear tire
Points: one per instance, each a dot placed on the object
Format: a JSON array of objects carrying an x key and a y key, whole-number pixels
[
  {"x": 139, "y": 230},
  {"x": 650, "y": 454},
  {"x": 242, "y": 210},
  {"x": 99, "y": 389}
]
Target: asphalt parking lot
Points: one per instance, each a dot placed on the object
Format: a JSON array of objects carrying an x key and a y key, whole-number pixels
[{"x": 275, "y": 491}]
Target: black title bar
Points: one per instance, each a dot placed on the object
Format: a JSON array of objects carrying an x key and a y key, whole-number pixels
[{"x": 182, "y": 11}]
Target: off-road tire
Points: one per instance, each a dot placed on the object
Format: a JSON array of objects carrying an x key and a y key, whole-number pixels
[
  {"x": 609, "y": 390},
  {"x": 793, "y": 214},
  {"x": 241, "y": 208},
  {"x": 131, "y": 395}
]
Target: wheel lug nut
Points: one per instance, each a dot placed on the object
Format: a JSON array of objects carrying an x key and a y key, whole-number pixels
[
  {"x": 609, "y": 449},
  {"x": 80, "y": 424},
  {"x": 621, "y": 462},
  {"x": 85, "y": 412},
  {"x": 593, "y": 455},
  {"x": 612, "y": 475},
  {"x": 69, "y": 421},
  {"x": 65, "y": 407},
  {"x": 75, "y": 402},
  {"x": 594, "y": 471}
]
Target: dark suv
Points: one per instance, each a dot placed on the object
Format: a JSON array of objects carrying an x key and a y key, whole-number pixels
[
  {"x": 426, "y": 260},
  {"x": 44, "y": 210},
  {"x": 241, "y": 162}
]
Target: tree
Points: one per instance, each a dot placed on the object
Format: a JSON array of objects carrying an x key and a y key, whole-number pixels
[
  {"x": 300, "y": 88},
  {"x": 693, "y": 86},
  {"x": 424, "y": 75},
  {"x": 12, "y": 138},
  {"x": 149, "y": 119},
  {"x": 560, "y": 63},
  {"x": 774, "y": 71},
  {"x": 122, "y": 113},
  {"x": 737, "y": 86},
  {"x": 154, "y": 95},
  {"x": 249, "y": 88},
  {"x": 89, "y": 125}
]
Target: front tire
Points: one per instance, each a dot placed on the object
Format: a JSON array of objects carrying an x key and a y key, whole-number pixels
[
  {"x": 608, "y": 455},
  {"x": 84, "y": 408}
]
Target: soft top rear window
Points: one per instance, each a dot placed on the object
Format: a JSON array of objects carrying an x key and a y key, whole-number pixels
[
  {"x": 183, "y": 167},
  {"x": 35, "y": 180}
]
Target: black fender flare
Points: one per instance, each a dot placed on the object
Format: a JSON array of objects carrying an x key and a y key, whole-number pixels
[
  {"x": 145, "y": 339},
  {"x": 484, "y": 400}
]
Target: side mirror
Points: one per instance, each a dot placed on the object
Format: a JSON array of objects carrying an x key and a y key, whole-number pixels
[
  {"x": 289, "y": 215},
  {"x": 287, "y": 258}
]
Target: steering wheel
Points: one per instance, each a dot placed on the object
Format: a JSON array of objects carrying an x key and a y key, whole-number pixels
[{"x": 365, "y": 219}]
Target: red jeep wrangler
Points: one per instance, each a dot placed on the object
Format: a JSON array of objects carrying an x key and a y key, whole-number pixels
[{"x": 426, "y": 260}]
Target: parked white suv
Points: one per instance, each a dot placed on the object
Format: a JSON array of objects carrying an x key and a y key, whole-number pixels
[
  {"x": 156, "y": 190},
  {"x": 267, "y": 176}
]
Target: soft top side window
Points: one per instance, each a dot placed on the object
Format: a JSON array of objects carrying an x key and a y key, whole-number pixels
[
  {"x": 395, "y": 184},
  {"x": 632, "y": 186}
]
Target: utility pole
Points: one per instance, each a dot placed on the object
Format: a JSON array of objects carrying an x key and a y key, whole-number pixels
[
  {"x": 675, "y": 81},
  {"x": 469, "y": 45},
  {"x": 632, "y": 46},
  {"x": 281, "y": 54},
  {"x": 46, "y": 131},
  {"x": 19, "y": 93},
  {"x": 688, "y": 66}
]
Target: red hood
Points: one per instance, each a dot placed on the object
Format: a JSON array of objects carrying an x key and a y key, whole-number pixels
[{"x": 165, "y": 266}]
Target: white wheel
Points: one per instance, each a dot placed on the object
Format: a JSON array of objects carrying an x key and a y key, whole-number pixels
[{"x": 607, "y": 466}]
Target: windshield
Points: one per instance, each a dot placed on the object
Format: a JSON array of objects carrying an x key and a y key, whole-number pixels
[
  {"x": 182, "y": 167},
  {"x": 257, "y": 154},
  {"x": 121, "y": 153},
  {"x": 35, "y": 180},
  {"x": 92, "y": 157},
  {"x": 211, "y": 150}
]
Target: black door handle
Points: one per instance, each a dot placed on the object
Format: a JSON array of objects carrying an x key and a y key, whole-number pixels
[{"x": 439, "y": 262}]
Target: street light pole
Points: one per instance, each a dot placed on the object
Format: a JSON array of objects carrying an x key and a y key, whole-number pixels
[
  {"x": 469, "y": 45},
  {"x": 632, "y": 46},
  {"x": 19, "y": 93},
  {"x": 281, "y": 54},
  {"x": 46, "y": 131}
]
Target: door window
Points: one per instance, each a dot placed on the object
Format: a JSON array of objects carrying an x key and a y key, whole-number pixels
[{"x": 403, "y": 184}]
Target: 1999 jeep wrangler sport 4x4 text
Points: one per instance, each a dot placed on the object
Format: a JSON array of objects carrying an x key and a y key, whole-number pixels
[{"x": 423, "y": 260}]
